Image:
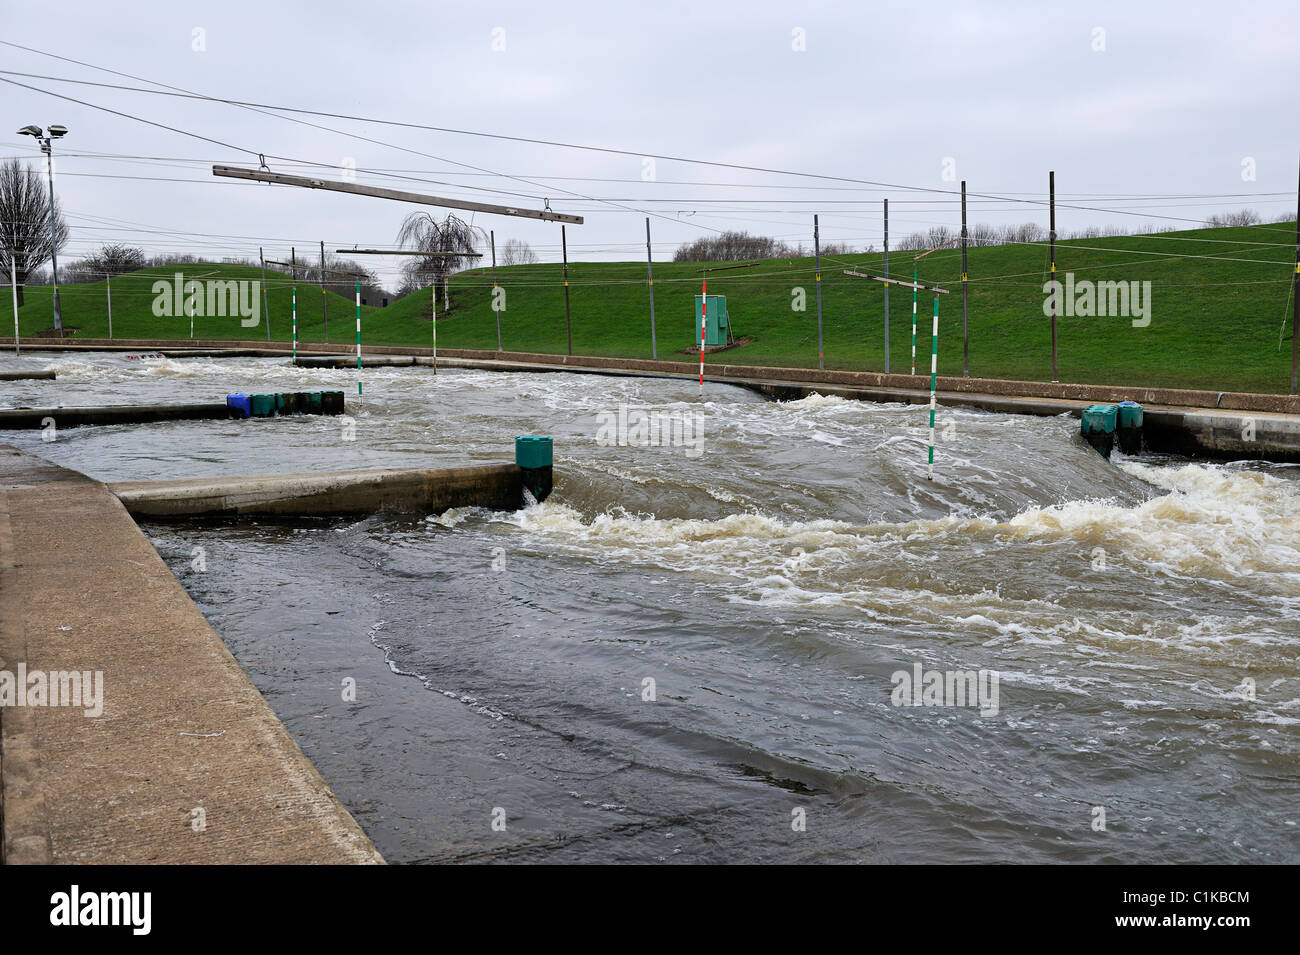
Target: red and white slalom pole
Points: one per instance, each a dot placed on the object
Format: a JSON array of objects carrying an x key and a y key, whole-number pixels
[{"x": 704, "y": 310}]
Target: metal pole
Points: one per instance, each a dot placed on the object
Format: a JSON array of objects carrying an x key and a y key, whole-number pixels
[
  {"x": 1295, "y": 297},
  {"x": 324, "y": 299},
  {"x": 293, "y": 259},
  {"x": 934, "y": 371},
  {"x": 817, "y": 251},
  {"x": 54, "y": 242},
  {"x": 568, "y": 324},
  {"x": 295, "y": 323},
  {"x": 492, "y": 238},
  {"x": 108, "y": 286},
  {"x": 1051, "y": 187},
  {"x": 13, "y": 284},
  {"x": 886, "y": 287},
  {"x": 358, "y": 337},
  {"x": 266, "y": 307},
  {"x": 650, "y": 270},
  {"x": 433, "y": 287},
  {"x": 965, "y": 329}
]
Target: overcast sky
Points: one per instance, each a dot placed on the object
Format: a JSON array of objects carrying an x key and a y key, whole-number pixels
[{"x": 1165, "y": 100}]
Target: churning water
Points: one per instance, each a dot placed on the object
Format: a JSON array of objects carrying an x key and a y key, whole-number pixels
[{"x": 693, "y": 656}]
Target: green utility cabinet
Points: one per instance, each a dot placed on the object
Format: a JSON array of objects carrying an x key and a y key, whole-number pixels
[{"x": 717, "y": 324}]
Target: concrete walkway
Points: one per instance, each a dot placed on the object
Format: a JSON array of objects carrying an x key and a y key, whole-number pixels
[{"x": 182, "y": 729}]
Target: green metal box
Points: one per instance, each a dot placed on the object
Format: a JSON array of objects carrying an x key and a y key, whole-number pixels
[
  {"x": 1099, "y": 419},
  {"x": 716, "y": 321},
  {"x": 533, "y": 451}
]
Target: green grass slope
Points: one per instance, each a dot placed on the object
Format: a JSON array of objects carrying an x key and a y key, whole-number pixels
[{"x": 1219, "y": 298}]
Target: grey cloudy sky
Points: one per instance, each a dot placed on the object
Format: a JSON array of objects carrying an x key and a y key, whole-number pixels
[{"x": 1168, "y": 101}]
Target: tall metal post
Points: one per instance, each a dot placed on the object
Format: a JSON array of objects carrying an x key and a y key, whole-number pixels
[
  {"x": 1295, "y": 297},
  {"x": 492, "y": 238},
  {"x": 1051, "y": 188},
  {"x": 54, "y": 242},
  {"x": 108, "y": 288},
  {"x": 324, "y": 299},
  {"x": 817, "y": 252},
  {"x": 965, "y": 328},
  {"x": 266, "y": 305},
  {"x": 886, "y": 287},
  {"x": 13, "y": 284},
  {"x": 568, "y": 324},
  {"x": 650, "y": 270}
]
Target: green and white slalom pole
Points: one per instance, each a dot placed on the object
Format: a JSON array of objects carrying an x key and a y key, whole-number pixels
[
  {"x": 358, "y": 337},
  {"x": 295, "y": 324},
  {"x": 934, "y": 370},
  {"x": 914, "y": 284},
  {"x": 435, "y": 327}
]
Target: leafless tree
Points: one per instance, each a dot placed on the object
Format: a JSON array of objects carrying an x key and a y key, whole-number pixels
[
  {"x": 110, "y": 260},
  {"x": 1242, "y": 217},
  {"x": 25, "y": 222},
  {"x": 423, "y": 233},
  {"x": 733, "y": 247},
  {"x": 517, "y": 252}
]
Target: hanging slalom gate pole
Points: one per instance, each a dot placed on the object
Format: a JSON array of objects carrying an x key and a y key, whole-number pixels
[
  {"x": 294, "y": 309},
  {"x": 108, "y": 287},
  {"x": 568, "y": 324},
  {"x": 934, "y": 338},
  {"x": 324, "y": 299},
  {"x": 266, "y": 305},
  {"x": 650, "y": 270},
  {"x": 914, "y": 284},
  {"x": 704, "y": 309},
  {"x": 492, "y": 237},
  {"x": 886, "y": 287},
  {"x": 817, "y": 251},
  {"x": 13, "y": 284},
  {"x": 934, "y": 371},
  {"x": 434, "y": 287},
  {"x": 358, "y": 337}
]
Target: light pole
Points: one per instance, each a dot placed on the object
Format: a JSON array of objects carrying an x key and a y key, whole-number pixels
[{"x": 38, "y": 134}]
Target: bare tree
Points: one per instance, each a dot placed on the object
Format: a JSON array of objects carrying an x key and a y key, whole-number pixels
[
  {"x": 733, "y": 247},
  {"x": 25, "y": 222},
  {"x": 423, "y": 233},
  {"x": 517, "y": 252},
  {"x": 1242, "y": 217},
  {"x": 110, "y": 260}
]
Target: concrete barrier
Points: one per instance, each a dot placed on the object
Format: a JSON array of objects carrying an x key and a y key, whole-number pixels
[
  {"x": 376, "y": 490},
  {"x": 181, "y": 728},
  {"x": 27, "y": 418},
  {"x": 26, "y": 375}
]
